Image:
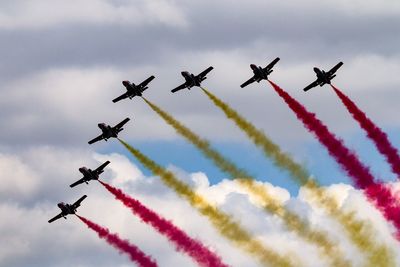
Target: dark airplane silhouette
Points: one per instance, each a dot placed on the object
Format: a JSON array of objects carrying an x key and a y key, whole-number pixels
[
  {"x": 133, "y": 90},
  {"x": 192, "y": 80},
  {"x": 109, "y": 131},
  {"x": 260, "y": 73},
  {"x": 323, "y": 77},
  {"x": 89, "y": 174},
  {"x": 67, "y": 209}
]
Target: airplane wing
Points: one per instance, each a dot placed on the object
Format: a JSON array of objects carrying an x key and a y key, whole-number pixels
[
  {"x": 80, "y": 181},
  {"x": 122, "y": 123},
  {"x": 146, "y": 82},
  {"x": 102, "y": 166},
  {"x": 79, "y": 201},
  {"x": 313, "y": 84},
  {"x": 251, "y": 80},
  {"x": 55, "y": 218},
  {"x": 180, "y": 87},
  {"x": 123, "y": 96},
  {"x": 94, "y": 140},
  {"x": 272, "y": 64},
  {"x": 335, "y": 68},
  {"x": 204, "y": 73}
]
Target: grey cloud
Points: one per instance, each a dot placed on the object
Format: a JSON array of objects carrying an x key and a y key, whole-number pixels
[{"x": 298, "y": 32}]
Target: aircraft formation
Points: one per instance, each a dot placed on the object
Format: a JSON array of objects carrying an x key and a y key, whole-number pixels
[
  {"x": 191, "y": 80},
  {"x": 221, "y": 221}
]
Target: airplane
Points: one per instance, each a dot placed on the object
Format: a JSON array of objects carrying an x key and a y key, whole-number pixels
[
  {"x": 67, "y": 209},
  {"x": 192, "y": 80},
  {"x": 89, "y": 174},
  {"x": 133, "y": 90},
  {"x": 323, "y": 77},
  {"x": 260, "y": 73},
  {"x": 109, "y": 131}
]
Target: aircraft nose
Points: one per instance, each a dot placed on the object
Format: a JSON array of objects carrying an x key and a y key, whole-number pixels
[
  {"x": 315, "y": 69},
  {"x": 125, "y": 82},
  {"x": 183, "y": 72}
]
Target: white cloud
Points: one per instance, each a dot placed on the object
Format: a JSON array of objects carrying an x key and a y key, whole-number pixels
[
  {"x": 16, "y": 177},
  {"x": 71, "y": 243}
]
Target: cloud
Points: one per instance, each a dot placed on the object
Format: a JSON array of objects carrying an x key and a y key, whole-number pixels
[
  {"x": 62, "y": 100},
  {"x": 63, "y": 62},
  {"x": 93, "y": 33},
  {"x": 26, "y": 226},
  {"x": 62, "y": 66},
  {"x": 50, "y": 14},
  {"x": 18, "y": 178}
]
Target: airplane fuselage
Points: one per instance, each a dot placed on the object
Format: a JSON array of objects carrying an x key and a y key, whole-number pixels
[
  {"x": 107, "y": 131},
  {"x": 132, "y": 89},
  {"x": 323, "y": 77},
  {"x": 191, "y": 80},
  {"x": 88, "y": 174},
  {"x": 66, "y": 209},
  {"x": 260, "y": 73}
]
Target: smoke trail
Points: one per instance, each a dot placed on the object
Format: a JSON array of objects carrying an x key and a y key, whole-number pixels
[
  {"x": 292, "y": 221},
  {"x": 123, "y": 246},
  {"x": 360, "y": 232},
  {"x": 200, "y": 253},
  {"x": 224, "y": 223},
  {"x": 374, "y": 133},
  {"x": 378, "y": 194},
  {"x": 270, "y": 149}
]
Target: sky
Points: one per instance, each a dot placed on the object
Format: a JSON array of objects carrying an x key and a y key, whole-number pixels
[{"x": 62, "y": 62}]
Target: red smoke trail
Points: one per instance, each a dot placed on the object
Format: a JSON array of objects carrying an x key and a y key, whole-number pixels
[
  {"x": 123, "y": 246},
  {"x": 200, "y": 253},
  {"x": 374, "y": 133},
  {"x": 378, "y": 194}
]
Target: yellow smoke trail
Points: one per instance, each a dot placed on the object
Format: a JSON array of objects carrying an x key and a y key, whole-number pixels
[
  {"x": 360, "y": 232},
  {"x": 292, "y": 221},
  {"x": 221, "y": 221}
]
